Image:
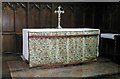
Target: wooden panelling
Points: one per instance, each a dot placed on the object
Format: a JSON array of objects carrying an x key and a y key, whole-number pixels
[
  {"x": 118, "y": 18},
  {"x": 104, "y": 16},
  {"x": 85, "y": 15},
  {"x": 8, "y": 18},
  {"x": 20, "y": 18},
  {"x": 34, "y": 16},
  {"x": 55, "y": 16},
  {"x": 110, "y": 20},
  {"x": 40, "y": 15},
  {"x": 117, "y": 49},
  {"x": 19, "y": 44},
  {"x": 114, "y": 19},
  {"x": 98, "y": 17},
  {"x": 106, "y": 19},
  {"x": 45, "y": 16},
  {"x": 9, "y": 43},
  {"x": 68, "y": 14},
  {"x": 80, "y": 15},
  {"x": 19, "y": 15},
  {"x": 89, "y": 17}
]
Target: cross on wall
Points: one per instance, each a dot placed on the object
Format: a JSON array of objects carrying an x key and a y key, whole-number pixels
[{"x": 59, "y": 16}]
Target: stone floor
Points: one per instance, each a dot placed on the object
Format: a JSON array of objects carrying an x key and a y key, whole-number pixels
[
  {"x": 12, "y": 57},
  {"x": 5, "y": 68}
]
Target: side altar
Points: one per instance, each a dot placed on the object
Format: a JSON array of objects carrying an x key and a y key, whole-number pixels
[{"x": 45, "y": 47}]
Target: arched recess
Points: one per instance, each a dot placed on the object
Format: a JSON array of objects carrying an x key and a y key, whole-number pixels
[
  {"x": 20, "y": 19},
  {"x": 46, "y": 16},
  {"x": 7, "y": 18},
  {"x": 67, "y": 19},
  {"x": 34, "y": 16}
]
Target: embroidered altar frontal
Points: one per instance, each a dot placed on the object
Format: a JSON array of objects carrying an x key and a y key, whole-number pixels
[{"x": 47, "y": 48}]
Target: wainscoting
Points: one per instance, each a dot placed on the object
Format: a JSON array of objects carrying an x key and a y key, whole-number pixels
[{"x": 19, "y": 15}]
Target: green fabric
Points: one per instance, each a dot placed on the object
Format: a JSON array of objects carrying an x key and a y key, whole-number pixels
[{"x": 62, "y": 50}]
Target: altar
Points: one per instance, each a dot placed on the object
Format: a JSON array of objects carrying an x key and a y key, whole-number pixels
[{"x": 42, "y": 47}]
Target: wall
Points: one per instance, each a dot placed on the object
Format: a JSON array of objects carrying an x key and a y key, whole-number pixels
[{"x": 19, "y": 15}]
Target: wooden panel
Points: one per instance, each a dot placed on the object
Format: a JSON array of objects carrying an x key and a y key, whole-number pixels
[
  {"x": 110, "y": 17},
  {"x": 55, "y": 16},
  {"x": 89, "y": 17},
  {"x": 80, "y": 15},
  {"x": 85, "y": 15},
  {"x": 98, "y": 17},
  {"x": 9, "y": 43},
  {"x": 114, "y": 18},
  {"x": 67, "y": 19},
  {"x": 20, "y": 19},
  {"x": 8, "y": 18},
  {"x": 117, "y": 49},
  {"x": 40, "y": 15},
  {"x": 34, "y": 16},
  {"x": 19, "y": 44},
  {"x": 46, "y": 17},
  {"x": 118, "y": 19},
  {"x": 16, "y": 16}
]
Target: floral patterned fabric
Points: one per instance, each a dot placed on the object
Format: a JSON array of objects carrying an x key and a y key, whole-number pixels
[{"x": 62, "y": 50}]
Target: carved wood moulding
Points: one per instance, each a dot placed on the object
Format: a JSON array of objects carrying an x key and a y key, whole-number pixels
[
  {"x": 40, "y": 6},
  {"x": 14, "y": 5}
]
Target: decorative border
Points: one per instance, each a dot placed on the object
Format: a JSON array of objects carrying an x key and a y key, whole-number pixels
[{"x": 39, "y": 36}]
